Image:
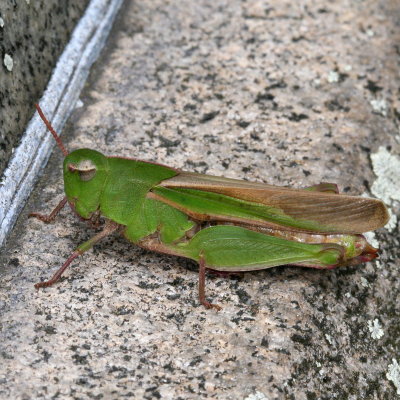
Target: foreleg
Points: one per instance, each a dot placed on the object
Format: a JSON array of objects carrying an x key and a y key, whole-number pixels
[
  {"x": 109, "y": 228},
  {"x": 46, "y": 218}
]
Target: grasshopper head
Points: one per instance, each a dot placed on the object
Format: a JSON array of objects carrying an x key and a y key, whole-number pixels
[{"x": 85, "y": 172}]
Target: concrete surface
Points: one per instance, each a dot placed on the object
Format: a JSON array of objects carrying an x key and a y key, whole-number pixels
[
  {"x": 59, "y": 100},
  {"x": 32, "y": 36},
  {"x": 290, "y": 93}
]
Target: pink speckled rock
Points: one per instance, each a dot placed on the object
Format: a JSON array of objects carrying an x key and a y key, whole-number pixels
[{"x": 282, "y": 92}]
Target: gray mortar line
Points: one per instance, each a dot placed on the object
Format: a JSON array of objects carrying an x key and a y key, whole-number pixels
[{"x": 58, "y": 101}]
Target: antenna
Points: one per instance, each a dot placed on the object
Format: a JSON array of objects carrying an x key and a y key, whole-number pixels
[{"x": 53, "y": 132}]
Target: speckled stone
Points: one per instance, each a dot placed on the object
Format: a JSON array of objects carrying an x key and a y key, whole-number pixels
[
  {"x": 32, "y": 37},
  {"x": 280, "y": 92}
]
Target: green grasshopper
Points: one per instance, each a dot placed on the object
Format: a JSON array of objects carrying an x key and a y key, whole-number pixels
[{"x": 224, "y": 224}]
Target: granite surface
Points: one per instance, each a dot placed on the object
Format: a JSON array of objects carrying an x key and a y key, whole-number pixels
[
  {"x": 289, "y": 93},
  {"x": 32, "y": 37}
]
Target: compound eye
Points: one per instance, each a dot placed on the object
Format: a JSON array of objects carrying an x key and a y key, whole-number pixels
[{"x": 85, "y": 168}]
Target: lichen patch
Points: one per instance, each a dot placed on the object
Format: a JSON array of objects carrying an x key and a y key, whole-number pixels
[
  {"x": 375, "y": 328},
  {"x": 387, "y": 169},
  {"x": 8, "y": 62},
  {"x": 393, "y": 374}
]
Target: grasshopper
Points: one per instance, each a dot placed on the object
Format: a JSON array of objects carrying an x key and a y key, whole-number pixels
[{"x": 224, "y": 224}]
